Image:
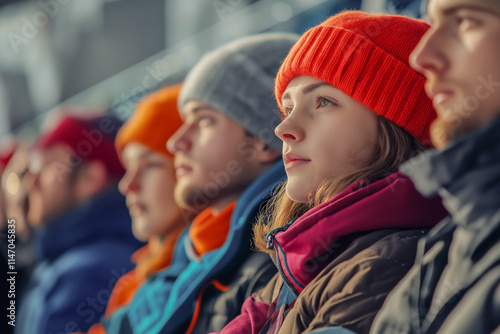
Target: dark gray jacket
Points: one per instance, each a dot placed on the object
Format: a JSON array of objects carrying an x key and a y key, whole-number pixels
[{"x": 454, "y": 286}]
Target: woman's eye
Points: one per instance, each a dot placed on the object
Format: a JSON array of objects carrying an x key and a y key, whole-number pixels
[
  {"x": 287, "y": 111},
  {"x": 322, "y": 102}
]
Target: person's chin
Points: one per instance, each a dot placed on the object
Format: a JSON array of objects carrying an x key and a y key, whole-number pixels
[
  {"x": 443, "y": 130},
  {"x": 139, "y": 230},
  {"x": 295, "y": 194},
  {"x": 35, "y": 219}
]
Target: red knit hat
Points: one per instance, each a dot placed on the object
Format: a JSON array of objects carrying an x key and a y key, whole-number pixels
[
  {"x": 155, "y": 120},
  {"x": 89, "y": 137},
  {"x": 366, "y": 57},
  {"x": 6, "y": 152}
]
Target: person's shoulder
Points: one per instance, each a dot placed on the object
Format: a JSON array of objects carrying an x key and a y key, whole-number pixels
[
  {"x": 254, "y": 263},
  {"x": 397, "y": 242},
  {"x": 379, "y": 252},
  {"x": 478, "y": 311},
  {"x": 99, "y": 256}
]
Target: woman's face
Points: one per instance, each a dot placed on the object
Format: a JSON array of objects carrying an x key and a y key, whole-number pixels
[
  {"x": 325, "y": 134},
  {"x": 148, "y": 185}
]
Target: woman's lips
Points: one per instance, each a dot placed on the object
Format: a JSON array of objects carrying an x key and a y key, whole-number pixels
[{"x": 293, "y": 160}]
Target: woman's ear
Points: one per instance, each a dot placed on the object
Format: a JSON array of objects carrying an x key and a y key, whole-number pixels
[{"x": 91, "y": 179}]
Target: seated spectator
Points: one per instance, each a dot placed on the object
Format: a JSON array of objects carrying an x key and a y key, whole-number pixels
[
  {"x": 227, "y": 162},
  {"x": 15, "y": 198},
  {"x": 454, "y": 286},
  {"x": 83, "y": 240},
  {"x": 344, "y": 228},
  {"x": 148, "y": 185}
]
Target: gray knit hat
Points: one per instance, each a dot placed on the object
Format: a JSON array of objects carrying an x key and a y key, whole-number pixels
[{"x": 238, "y": 80}]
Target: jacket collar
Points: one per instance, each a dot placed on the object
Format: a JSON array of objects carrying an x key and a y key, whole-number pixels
[
  {"x": 305, "y": 247},
  {"x": 179, "y": 284},
  {"x": 466, "y": 174}
]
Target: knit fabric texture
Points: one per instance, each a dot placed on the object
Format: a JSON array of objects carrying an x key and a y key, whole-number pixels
[
  {"x": 155, "y": 120},
  {"x": 366, "y": 57},
  {"x": 237, "y": 79},
  {"x": 88, "y": 137}
]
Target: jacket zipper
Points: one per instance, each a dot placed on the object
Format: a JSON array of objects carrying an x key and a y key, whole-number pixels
[
  {"x": 270, "y": 236},
  {"x": 271, "y": 244}
]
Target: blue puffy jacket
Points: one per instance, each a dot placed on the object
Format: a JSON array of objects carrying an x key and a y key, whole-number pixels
[{"x": 80, "y": 257}]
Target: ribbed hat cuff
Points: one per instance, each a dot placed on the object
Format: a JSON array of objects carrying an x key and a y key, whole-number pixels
[
  {"x": 399, "y": 92},
  {"x": 241, "y": 90}
]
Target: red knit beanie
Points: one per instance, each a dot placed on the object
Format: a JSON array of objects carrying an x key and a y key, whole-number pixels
[
  {"x": 155, "y": 120},
  {"x": 6, "y": 152},
  {"x": 366, "y": 57},
  {"x": 89, "y": 137}
]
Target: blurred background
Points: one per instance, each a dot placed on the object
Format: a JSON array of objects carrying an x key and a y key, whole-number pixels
[{"x": 106, "y": 55}]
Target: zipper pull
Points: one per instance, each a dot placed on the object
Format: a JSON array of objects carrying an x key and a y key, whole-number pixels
[
  {"x": 269, "y": 240},
  {"x": 270, "y": 235}
]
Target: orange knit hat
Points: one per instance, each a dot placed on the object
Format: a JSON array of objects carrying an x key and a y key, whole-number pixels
[
  {"x": 156, "y": 119},
  {"x": 366, "y": 57}
]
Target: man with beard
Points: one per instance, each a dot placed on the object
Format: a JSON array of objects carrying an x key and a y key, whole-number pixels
[{"x": 454, "y": 286}]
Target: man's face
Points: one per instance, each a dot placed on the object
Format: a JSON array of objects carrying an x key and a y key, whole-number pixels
[
  {"x": 51, "y": 185},
  {"x": 214, "y": 158},
  {"x": 459, "y": 57}
]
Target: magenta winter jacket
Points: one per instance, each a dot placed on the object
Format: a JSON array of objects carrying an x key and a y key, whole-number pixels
[{"x": 339, "y": 260}]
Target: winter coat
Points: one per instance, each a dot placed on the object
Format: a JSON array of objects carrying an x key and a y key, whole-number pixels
[
  {"x": 220, "y": 280},
  {"x": 339, "y": 260},
  {"x": 150, "y": 259},
  {"x": 454, "y": 286},
  {"x": 80, "y": 255}
]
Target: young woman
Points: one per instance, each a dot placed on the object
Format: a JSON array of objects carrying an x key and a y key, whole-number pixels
[
  {"x": 148, "y": 185},
  {"x": 343, "y": 230}
]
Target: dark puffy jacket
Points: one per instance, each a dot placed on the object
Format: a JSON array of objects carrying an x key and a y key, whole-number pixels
[
  {"x": 339, "y": 260},
  {"x": 454, "y": 286},
  {"x": 222, "y": 279},
  {"x": 81, "y": 256}
]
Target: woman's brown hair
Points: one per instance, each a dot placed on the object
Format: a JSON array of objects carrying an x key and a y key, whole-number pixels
[{"x": 394, "y": 146}]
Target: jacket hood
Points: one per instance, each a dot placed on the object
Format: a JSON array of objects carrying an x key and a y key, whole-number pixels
[
  {"x": 304, "y": 248},
  {"x": 105, "y": 216},
  {"x": 467, "y": 168}
]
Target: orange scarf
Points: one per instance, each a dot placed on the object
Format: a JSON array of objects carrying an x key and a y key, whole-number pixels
[
  {"x": 209, "y": 232},
  {"x": 150, "y": 259}
]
